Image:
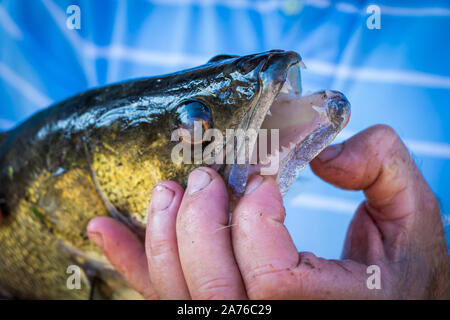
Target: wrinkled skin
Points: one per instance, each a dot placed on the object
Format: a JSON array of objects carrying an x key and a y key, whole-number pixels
[{"x": 189, "y": 251}]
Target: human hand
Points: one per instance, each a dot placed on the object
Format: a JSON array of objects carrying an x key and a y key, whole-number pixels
[{"x": 190, "y": 252}]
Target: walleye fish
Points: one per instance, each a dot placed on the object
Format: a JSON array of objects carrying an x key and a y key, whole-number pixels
[{"x": 100, "y": 153}]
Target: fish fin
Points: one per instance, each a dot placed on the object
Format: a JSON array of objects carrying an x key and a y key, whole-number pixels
[{"x": 221, "y": 57}]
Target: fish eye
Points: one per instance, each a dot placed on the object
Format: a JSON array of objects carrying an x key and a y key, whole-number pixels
[{"x": 192, "y": 114}]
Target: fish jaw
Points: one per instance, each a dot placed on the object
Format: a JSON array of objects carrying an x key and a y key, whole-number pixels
[
  {"x": 306, "y": 124},
  {"x": 279, "y": 68}
]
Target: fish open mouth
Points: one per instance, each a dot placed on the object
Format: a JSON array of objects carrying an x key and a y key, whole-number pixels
[{"x": 297, "y": 127}]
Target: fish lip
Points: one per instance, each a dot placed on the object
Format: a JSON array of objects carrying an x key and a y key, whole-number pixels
[
  {"x": 272, "y": 76},
  {"x": 338, "y": 108}
]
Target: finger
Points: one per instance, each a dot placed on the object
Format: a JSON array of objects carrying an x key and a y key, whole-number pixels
[
  {"x": 377, "y": 162},
  {"x": 204, "y": 239},
  {"x": 398, "y": 198},
  {"x": 269, "y": 262},
  {"x": 262, "y": 245},
  {"x": 161, "y": 242},
  {"x": 363, "y": 242},
  {"x": 125, "y": 252}
]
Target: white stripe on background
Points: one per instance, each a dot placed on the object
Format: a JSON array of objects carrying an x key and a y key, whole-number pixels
[
  {"x": 345, "y": 7},
  {"x": 417, "y": 147},
  {"x": 317, "y": 201},
  {"x": 25, "y": 88},
  {"x": 6, "y": 124},
  {"x": 173, "y": 60},
  {"x": 77, "y": 42},
  {"x": 415, "y": 12},
  {"x": 153, "y": 58},
  {"x": 178, "y": 59},
  {"x": 445, "y": 220},
  {"x": 340, "y": 72},
  {"x": 92, "y": 51},
  {"x": 8, "y": 24},
  {"x": 427, "y": 148}
]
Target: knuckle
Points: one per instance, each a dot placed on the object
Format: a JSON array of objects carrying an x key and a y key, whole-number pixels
[
  {"x": 149, "y": 294},
  {"x": 266, "y": 291},
  {"x": 384, "y": 134},
  {"x": 306, "y": 256},
  {"x": 266, "y": 282},
  {"x": 213, "y": 288},
  {"x": 159, "y": 248},
  {"x": 384, "y": 129},
  {"x": 387, "y": 149}
]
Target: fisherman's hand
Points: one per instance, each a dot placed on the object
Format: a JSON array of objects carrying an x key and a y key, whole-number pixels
[{"x": 191, "y": 253}]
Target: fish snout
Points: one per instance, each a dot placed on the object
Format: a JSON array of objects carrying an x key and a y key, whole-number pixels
[{"x": 338, "y": 108}]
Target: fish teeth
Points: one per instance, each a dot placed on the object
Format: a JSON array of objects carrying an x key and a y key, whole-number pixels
[
  {"x": 286, "y": 87},
  {"x": 328, "y": 93},
  {"x": 284, "y": 149},
  {"x": 302, "y": 65},
  {"x": 320, "y": 110}
]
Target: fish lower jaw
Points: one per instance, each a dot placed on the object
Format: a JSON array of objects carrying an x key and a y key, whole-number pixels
[{"x": 305, "y": 125}]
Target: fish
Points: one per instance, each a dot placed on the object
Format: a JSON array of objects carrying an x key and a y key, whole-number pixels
[{"x": 100, "y": 153}]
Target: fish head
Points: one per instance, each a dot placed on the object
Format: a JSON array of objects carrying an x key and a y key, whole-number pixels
[{"x": 240, "y": 97}]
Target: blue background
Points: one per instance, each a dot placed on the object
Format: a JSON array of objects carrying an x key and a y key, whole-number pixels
[{"x": 398, "y": 75}]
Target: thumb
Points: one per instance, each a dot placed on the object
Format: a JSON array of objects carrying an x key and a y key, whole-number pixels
[
  {"x": 377, "y": 162},
  {"x": 399, "y": 200},
  {"x": 269, "y": 262}
]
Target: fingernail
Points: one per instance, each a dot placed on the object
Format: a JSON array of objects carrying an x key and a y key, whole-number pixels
[
  {"x": 198, "y": 180},
  {"x": 97, "y": 238},
  {"x": 162, "y": 197},
  {"x": 253, "y": 184},
  {"x": 330, "y": 152}
]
